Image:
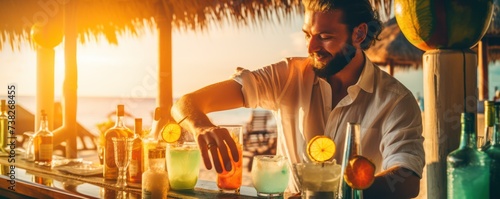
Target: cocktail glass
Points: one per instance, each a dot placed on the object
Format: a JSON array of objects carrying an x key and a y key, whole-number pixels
[
  {"x": 147, "y": 144},
  {"x": 99, "y": 142},
  {"x": 183, "y": 165},
  {"x": 30, "y": 149},
  {"x": 230, "y": 181},
  {"x": 318, "y": 180},
  {"x": 270, "y": 175},
  {"x": 123, "y": 154}
]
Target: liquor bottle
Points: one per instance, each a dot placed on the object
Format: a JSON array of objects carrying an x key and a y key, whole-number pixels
[
  {"x": 352, "y": 148},
  {"x": 489, "y": 120},
  {"x": 110, "y": 171},
  {"x": 468, "y": 169},
  {"x": 135, "y": 167},
  {"x": 43, "y": 142},
  {"x": 494, "y": 153},
  {"x": 150, "y": 141},
  {"x": 4, "y": 127},
  {"x": 155, "y": 180}
]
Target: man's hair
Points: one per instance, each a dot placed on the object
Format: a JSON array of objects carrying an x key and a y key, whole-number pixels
[{"x": 354, "y": 12}]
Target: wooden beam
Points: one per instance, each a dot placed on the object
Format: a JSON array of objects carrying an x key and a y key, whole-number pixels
[
  {"x": 450, "y": 83},
  {"x": 68, "y": 131},
  {"x": 391, "y": 68},
  {"x": 44, "y": 85},
  {"x": 165, "y": 98},
  {"x": 483, "y": 81}
]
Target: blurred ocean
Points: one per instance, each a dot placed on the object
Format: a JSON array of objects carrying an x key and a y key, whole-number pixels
[{"x": 94, "y": 110}]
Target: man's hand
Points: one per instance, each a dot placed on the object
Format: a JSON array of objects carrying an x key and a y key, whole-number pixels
[
  {"x": 396, "y": 182},
  {"x": 219, "y": 143}
]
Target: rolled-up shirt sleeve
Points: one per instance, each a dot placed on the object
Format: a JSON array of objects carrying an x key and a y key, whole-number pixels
[
  {"x": 263, "y": 87},
  {"x": 402, "y": 142}
]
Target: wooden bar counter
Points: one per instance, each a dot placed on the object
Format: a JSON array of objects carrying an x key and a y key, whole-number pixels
[{"x": 24, "y": 179}]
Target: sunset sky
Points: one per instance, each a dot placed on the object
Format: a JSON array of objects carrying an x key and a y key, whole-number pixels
[
  {"x": 126, "y": 70},
  {"x": 129, "y": 69}
]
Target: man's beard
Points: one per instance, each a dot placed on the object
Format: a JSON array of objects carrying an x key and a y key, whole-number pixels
[{"x": 338, "y": 62}]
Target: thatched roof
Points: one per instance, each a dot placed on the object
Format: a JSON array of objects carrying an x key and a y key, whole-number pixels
[
  {"x": 494, "y": 28},
  {"x": 394, "y": 49},
  {"x": 113, "y": 17}
]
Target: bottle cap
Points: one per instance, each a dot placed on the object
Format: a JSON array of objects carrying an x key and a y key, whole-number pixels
[
  {"x": 156, "y": 153},
  {"x": 120, "y": 110},
  {"x": 488, "y": 103},
  {"x": 138, "y": 126},
  {"x": 3, "y": 106},
  {"x": 467, "y": 117}
]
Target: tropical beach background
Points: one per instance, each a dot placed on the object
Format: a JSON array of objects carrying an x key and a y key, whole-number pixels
[
  {"x": 112, "y": 74},
  {"x": 126, "y": 73}
]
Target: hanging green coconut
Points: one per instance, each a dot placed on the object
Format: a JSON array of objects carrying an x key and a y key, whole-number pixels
[{"x": 443, "y": 24}]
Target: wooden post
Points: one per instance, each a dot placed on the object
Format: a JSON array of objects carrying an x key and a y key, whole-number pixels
[
  {"x": 44, "y": 85},
  {"x": 450, "y": 88},
  {"x": 165, "y": 99},
  {"x": 391, "y": 68},
  {"x": 483, "y": 80},
  {"x": 69, "y": 101}
]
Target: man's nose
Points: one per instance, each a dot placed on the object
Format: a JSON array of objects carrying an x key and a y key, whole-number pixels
[{"x": 313, "y": 45}]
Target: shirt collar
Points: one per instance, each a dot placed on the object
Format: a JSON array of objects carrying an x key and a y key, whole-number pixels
[{"x": 366, "y": 80}]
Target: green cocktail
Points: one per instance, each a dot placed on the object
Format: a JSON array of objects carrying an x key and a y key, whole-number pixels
[{"x": 183, "y": 165}]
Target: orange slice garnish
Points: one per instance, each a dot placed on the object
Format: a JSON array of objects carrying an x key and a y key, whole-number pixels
[
  {"x": 320, "y": 148},
  {"x": 171, "y": 132},
  {"x": 359, "y": 173}
]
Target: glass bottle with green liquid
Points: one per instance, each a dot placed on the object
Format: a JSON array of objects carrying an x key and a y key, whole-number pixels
[
  {"x": 468, "y": 169},
  {"x": 494, "y": 153}
]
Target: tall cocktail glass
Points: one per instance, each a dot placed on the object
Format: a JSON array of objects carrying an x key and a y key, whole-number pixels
[
  {"x": 319, "y": 180},
  {"x": 183, "y": 165},
  {"x": 230, "y": 181},
  {"x": 270, "y": 175},
  {"x": 123, "y": 154}
]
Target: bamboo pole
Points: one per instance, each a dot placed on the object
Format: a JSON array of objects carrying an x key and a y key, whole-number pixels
[
  {"x": 483, "y": 80},
  {"x": 44, "y": 85},
  {"x": 68, "y": 131},
  {"x": 165, "y": 99},
  {"x": 450, "y": 88}
]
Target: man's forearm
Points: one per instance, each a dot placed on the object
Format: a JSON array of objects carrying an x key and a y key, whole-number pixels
[
  {"x": 192, "y": 117},
  {"x": 396, "y": 182}
]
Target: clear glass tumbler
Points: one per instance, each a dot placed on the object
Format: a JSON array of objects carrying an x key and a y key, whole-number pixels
[
  {"x": 230, "y": 181},
  {"x": 270, "y": 175},
  {"x": 30, "y": 149},
  {"x": 319, "y": 180}
]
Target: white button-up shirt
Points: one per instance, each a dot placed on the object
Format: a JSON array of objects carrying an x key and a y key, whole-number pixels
[{"x": 390, "y": 119}]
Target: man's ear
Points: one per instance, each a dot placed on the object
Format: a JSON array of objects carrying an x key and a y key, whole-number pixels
[{"x": 359, "y": 33}]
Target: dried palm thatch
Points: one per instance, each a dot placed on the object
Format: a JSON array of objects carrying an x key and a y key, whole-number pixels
[
  {"x": 115, "y": 17},
  {"x": 394, "y": 49},
  {"x": 494, "y": 28},
  {"x": 494, "y": 53}
]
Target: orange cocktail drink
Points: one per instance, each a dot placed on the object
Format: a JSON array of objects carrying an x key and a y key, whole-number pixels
[{"x": 230, "y": 181}]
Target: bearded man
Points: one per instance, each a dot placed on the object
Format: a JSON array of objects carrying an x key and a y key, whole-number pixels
[{"x": 319, "y": 95}]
